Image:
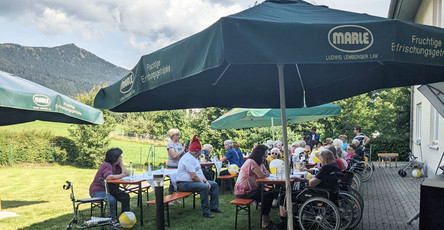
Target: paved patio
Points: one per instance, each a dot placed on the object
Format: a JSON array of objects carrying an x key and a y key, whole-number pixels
[{"x": 390, "y": 200}]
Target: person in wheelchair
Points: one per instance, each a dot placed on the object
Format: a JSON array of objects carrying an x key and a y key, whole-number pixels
[
  {"x": 111, "y": 168},
  {"x": 323, "y": 179}
]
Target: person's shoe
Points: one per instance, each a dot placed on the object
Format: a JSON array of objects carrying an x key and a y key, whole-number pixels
[
  {"x": 207, "y": 215},
  {"x": 216, "y": 210}
]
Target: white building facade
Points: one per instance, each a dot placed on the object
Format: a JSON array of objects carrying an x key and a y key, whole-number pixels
[{"x": 427, "y": 125}]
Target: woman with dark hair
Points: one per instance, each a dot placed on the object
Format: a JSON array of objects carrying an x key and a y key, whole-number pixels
[
  {"x": 111, "y": 168},
  {"x": 246, "y": 186}
]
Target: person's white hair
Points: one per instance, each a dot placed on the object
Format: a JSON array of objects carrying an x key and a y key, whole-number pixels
[
  {"x": 275, "y": 150},
  {"x": 269, "y": 143},
  {"x": 277, "y": 142},
  {"x": 207, "y": 147},
  {"x": 229, "y": 143},
  {"x": 338, "y": 143},
  {"x": 266, "y": 144},
  {"x": 295, "y": 144},
  {"x": 301, "y": 144},
  {"x": 355, "y": 142},
  {"x": 171, "y": 132}
]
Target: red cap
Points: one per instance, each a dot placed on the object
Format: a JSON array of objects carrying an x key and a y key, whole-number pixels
[{"x": 195, "y": 145}]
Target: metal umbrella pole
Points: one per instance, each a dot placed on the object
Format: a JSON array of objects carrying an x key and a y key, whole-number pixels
[
  {"x": 285, "y": 143},
  {"x": 158, "y": 190}
]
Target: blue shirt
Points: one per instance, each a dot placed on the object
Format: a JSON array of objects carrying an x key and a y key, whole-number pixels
[
  {"x": 241, "y": 156},
  {"x": 344, "y": 146},
  {"x": 206, "y": 154},
  {"x": 234, "y": 158}
]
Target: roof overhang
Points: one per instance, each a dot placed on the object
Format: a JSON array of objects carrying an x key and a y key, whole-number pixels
[{"x": 404, "y": 10}]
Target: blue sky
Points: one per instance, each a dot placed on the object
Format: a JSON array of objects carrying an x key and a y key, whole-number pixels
[{"x": 120, "y": 31}]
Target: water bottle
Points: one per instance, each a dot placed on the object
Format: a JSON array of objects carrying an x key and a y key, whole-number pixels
[{"x": 131, "y": 169}]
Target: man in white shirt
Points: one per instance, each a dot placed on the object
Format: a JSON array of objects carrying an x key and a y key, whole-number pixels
[{"x": 190, "y": 178}]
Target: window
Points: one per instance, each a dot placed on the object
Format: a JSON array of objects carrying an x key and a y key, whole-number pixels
[
  {"x": 435, "y": 127},
  {"x": 418, "y": 122}
]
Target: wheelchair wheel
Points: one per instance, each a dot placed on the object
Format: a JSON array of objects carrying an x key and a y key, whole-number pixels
[
  {"x": 357, "y": 195},
  {"x": 319, "y": 213},
  {"x": 402, "y": 173},
  {"x": 366, "y": 173},
  {"x": 346, "y": 212},
  {"x": 356, "y": 184},
  {"x": 356, "y": 205}
]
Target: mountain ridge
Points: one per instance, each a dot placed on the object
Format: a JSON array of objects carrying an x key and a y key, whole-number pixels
[{"x": 67, "y": 68}]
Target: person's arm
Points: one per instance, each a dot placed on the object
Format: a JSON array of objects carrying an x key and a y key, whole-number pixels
[
  {"x": 366, "y": 140},
  {"x": 314, "y": 182},
  {"x": 223, "y": 159},
  {"x": 195, "y": 178},
  {"x": 175, "y": 154},
  {"x": 258, "y": 171},
  {"x": 123, "y": 174}
]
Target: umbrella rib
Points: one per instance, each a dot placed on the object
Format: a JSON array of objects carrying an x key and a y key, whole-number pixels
[
  {"x": 302, "y": 83},
  {"x": 222, "y": 74},
  {"x": 439, "y": 92}
]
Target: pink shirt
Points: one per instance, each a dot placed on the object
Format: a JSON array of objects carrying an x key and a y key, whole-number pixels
[
  {"x": 349, "y": 156},
  {"x": 246, "y": 181}
]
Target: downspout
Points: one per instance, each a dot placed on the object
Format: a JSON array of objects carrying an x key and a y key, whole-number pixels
[{"x": 412, "y": 92}]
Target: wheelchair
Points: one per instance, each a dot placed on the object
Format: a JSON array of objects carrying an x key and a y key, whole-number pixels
[
  {"x": 96, "y": 216},
  {"x": 320, "y": 208}
]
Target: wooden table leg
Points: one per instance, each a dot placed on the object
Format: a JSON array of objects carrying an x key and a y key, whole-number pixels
[{"x": 379, "y": 162}]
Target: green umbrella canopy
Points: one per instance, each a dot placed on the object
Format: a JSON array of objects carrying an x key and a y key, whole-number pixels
[
  {"x": 248, "y": 118},
  {"x": 23, "y": 101}
]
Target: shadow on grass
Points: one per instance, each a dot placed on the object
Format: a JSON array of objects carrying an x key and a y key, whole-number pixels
[
  {"x": 18, "y": 203},
  {"x": 181, "y": 218}
]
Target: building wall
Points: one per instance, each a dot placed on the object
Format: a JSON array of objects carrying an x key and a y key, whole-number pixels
[{"x": 427, "y": 150}]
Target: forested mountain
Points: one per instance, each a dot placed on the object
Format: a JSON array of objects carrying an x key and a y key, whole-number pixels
[{"x": 67, "y": 69}]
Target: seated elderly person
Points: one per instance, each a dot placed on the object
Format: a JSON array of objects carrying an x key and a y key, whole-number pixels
[
  {"x": 111, "y": 168},
  {"x": 231, "y": 157},
  {"x": 190, "y": 178},
  {"x": 322, "y": 180}
]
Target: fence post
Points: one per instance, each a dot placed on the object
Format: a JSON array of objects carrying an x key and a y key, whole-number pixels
[
  {"x": 10, "y": 152},
  {"x": 154, "y": 153},
  {"x": 140, "y": 154},
  {"x": 52, "y": 150}
]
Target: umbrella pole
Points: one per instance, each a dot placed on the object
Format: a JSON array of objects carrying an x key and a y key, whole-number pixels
[
  {"x": 285, "y": 145},
  {"x": 272, "y": 128}
]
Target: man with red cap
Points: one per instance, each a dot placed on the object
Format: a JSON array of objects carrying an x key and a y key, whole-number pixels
[{"x": 190, "y": 178}]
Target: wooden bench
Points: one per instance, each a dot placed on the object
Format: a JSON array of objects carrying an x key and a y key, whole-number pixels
[
  {"x": 227, "y": 179},
  {"x": 135, "y": 189},
  {"x": 242, "y": 204},
  {"x": 170, "y": 198},
  {"x": 389, "y": 156}
]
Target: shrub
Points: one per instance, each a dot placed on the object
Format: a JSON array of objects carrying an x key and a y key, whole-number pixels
[
  {"x": 383, "y": 145},
  {"x": 31, "y": 146}
]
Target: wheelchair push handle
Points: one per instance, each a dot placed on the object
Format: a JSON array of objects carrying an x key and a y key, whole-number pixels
[{"x": 67, "y": 185}]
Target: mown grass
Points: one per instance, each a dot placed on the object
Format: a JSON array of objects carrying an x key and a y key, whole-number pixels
[
  {"x": 36, "y": 194},
  {"x": 58, "y": 129}
]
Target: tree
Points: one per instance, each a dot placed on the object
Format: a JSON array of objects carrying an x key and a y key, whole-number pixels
[{"x": 91, "y": 140}]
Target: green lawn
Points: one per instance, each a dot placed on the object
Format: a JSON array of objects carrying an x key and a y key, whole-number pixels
[
  {"x": 58, "y": 129},
  {"x": 36, "y": 194}
]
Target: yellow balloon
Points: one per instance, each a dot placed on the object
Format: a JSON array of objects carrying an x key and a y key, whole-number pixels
[
  {"x": 273, "y": 170},
  {"x": 308, "y": 176},
  {"x": 316, "y": 160}
]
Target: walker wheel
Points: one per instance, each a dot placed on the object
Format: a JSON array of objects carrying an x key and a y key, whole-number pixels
[{"x": 402, "y": 173}]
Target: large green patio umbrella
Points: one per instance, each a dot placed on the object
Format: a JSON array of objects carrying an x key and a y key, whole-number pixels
[
  {"x": 281, "y": 54},
  {"x": 249, "y": 118},
  {"x": 23, "y": 101}
]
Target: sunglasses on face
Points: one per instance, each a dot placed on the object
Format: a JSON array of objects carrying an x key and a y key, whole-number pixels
[{"x": 274, "y": 154}]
